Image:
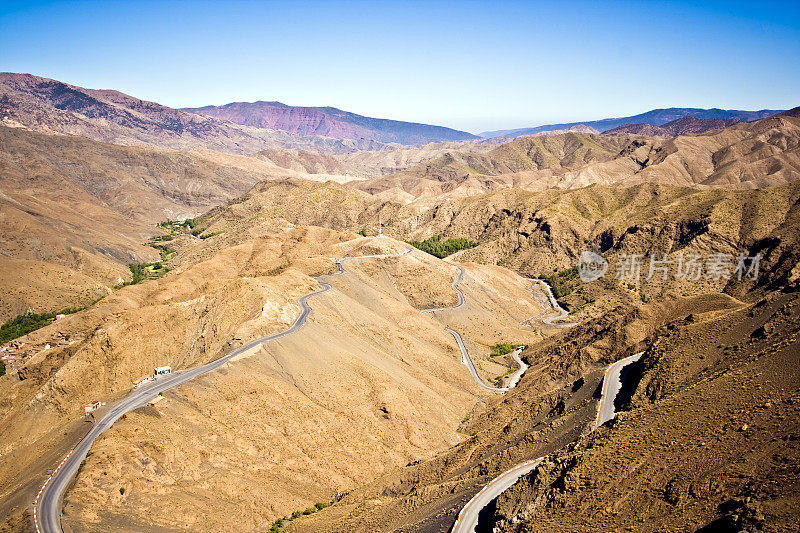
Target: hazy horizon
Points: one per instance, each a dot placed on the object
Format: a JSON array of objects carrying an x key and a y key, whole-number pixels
[{"x": 468, "y": 66}]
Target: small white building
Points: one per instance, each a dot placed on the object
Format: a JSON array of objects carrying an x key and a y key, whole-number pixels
[
  {"x": 93, "y": 407},
  {"x": 162, "y": 370}
]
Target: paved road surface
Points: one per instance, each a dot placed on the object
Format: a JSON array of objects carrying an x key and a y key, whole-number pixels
[
  {"x": 458, "y": 292},
  {"x": 612, "y": 384},
  {"x": 47, "y": 506},
  {"x": 467, "y": 519},
  {"x": 516, "y": 376},
  {"x": 465, "y": 358},
  {"x": 562, "y": 313}
]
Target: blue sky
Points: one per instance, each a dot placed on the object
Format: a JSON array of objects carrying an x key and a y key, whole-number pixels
[{"x": 467, "y": 65}]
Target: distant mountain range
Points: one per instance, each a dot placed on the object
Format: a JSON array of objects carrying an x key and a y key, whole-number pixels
[
  {"x": 656, "y": 117},
  {"x": 329, "y": 122},
  {"x": 50, "y": 106},
  {"x": 736, "y": 156},
  {"x": 682, "y": 126}
]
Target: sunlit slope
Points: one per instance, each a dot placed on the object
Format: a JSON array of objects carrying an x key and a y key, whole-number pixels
[{"x": 368, "y": 384}]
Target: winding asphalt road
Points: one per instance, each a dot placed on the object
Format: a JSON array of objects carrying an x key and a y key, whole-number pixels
[
  {"x": 612, "y": 384},
  {"x": 467, "y": 520},
  {"x": 47, "y": 505},
  {"x": 459, "y": 277},
  {"x": 562, "y": 313},
  {"x": 465, "y": 358}
]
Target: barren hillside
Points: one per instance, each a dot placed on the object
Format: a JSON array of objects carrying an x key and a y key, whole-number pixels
[
  {"x": 537, "y": 233},
  {"x": 75, "y": 212},
  {"x": 369, "y": 383},
  {"x": 720, "y": 360},
  {"x": 183, "y": 235},
  {"x": 710, "y": 445},
  {"x": 744, "y": 155},
  {"x": 655, "y": 117},
  {"x": 681, "y": 126}
]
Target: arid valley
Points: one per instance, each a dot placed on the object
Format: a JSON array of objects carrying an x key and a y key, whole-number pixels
[{"x": 260, "y": 317}]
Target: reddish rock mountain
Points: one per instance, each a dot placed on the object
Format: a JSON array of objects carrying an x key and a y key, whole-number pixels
[
  {"x": 50, "y": 106},
  {"x": 329, "y": 122}
]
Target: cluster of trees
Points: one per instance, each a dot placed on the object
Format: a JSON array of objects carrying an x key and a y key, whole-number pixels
[
  {"x": 439, "y": 248},
  {"x": 145, "y": 271},
  {"x": 503, "y": 348},
  {"x": 563, "y": 282},
  {"x": 182, "y": 226},
  {"x": 30, "y": 321}
]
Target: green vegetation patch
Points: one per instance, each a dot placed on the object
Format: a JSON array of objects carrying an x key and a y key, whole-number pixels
[
  {"x": 145, "y": 272},
  {"x": 278, "y": 525},
  {"x": 503, "y": 349},
  {"x": 439, "y": 248},
  {"x": 30, "y": 321},
  {"x": 160, "y": 238},
  {"x": 190, "y": 226},
  {"x": 564, "y": 282},
  {"x": 176, "y": 227}
]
